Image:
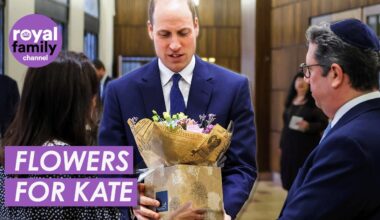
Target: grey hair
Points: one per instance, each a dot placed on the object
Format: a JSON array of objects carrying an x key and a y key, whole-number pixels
[{"x": 361, "y": 65}]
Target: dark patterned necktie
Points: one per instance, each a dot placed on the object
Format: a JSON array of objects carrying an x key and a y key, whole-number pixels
[{"x": 177, "y": 104}]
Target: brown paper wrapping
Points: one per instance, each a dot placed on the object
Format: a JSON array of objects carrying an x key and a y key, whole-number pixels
[
  {"x": 159, "y": 144},
  {"x": 201, "y": 185},
  {"x": 184, "y": 165}
]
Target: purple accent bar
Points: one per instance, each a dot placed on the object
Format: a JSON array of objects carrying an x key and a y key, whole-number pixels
[
  {"x": 104, "y": 160},
  {"x": 117, "y": 192}
]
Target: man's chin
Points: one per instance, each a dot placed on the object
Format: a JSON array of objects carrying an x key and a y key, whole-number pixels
[
  {"x": 317, "y": 104},
  {"x": 324, "y": 110},
  {"x": 175, "y": 66}
]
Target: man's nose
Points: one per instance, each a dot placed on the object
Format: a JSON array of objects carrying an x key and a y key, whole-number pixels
[
  {"x": 175, "y": 44},
  {"x": 307, "y": 80}
]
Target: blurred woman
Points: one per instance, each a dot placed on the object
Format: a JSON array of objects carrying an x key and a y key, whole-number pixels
[
  {"x": 303, "y": 125},
  {"x": 55, "y": 107},
  {"x": 93, "y": 120}
]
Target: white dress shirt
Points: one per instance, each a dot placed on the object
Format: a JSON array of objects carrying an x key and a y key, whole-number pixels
[
  {"x": 352, "y": 103},
  {"x": 184, "y": 83},
  {"x": 102, "y": 81}
]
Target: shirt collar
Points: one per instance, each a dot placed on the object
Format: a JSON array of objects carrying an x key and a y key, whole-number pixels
[
  {"x": 166, "y": 74},
  {"x": 353, "y": 102}
]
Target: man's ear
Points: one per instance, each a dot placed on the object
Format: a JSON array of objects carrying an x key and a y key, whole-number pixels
[
  {"x": 196, "y": 26},
  {"x": 150, "y": 29},
  {"x": 337, "y": 75}
]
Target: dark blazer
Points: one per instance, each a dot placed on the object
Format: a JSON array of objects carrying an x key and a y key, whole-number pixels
[
  {"x": 340, "y": 179},
  {"x": 213, "y": 90},
  {"x": 9, "y": 98},
  {"x": 106, "y": 81}
]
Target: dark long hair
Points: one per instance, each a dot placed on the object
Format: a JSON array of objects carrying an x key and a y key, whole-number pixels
[
  {"x": 293, "y": 93},
  {"x": 89, "y": 70},
  {"x": 55, "y": 103},
  {"x": 93, "y": 119}
]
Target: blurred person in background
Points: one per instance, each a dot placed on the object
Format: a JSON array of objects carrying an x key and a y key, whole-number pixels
[
  {"x": 103, "y": 78},
  {"x": 93, "y": 120},
  {"x": 55, "y": 107},
  {"x": 303, "y": 127}
]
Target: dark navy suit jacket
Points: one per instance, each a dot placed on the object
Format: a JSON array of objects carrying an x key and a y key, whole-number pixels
[
  {"x": 341, "y": 177},
  {"x": 213, "y": 90},
  {"x": 106, "y": 81}
]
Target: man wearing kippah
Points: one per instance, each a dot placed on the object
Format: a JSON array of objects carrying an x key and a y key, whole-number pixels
[{"x": 341, "y": 177}]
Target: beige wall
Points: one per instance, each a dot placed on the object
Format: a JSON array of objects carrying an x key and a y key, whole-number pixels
[
  {"x": 76, "y": 25},
  {"x": 13, "y": 12},
  {"x": 106, "y": 33},
  {"x": 248, "y": 39}
]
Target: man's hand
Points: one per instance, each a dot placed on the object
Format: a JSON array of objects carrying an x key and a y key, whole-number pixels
[
  {"x": 226, "y": 216},
  {"x": 142, "y": 212},
  {"x": 187, "y": 212}
]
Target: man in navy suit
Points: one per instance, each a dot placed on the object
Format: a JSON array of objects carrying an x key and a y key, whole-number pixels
[
  {"x": 9, "y": 98},
  {"x": 340, "y": 179},
  {"x": 204, "y": 88},
  {"x": 103, "y": 78}
]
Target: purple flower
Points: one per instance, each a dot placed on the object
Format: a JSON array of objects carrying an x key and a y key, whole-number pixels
[{"x": 208, "y": 129}]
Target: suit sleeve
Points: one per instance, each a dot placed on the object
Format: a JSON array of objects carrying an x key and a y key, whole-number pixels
[
  {"x": 239, "y": 172},
  {"x": 337, "y": 185},
  {"x": 112, "y": 129}
]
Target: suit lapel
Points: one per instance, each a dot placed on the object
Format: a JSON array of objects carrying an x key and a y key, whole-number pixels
[
  {"x": 200, "y": 90},
  {"x": 151, "y": 89}
]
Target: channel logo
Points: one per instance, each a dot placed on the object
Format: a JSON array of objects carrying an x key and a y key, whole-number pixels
[{"x": 35, "y": 40}]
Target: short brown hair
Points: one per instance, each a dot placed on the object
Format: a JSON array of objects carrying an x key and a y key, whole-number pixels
[{"x": 152, "y": 4}]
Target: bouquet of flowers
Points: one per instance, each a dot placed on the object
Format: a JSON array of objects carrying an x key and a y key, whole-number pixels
[
  {"x": 177, "y": 139},
  {"x": 182, "y": 156}
]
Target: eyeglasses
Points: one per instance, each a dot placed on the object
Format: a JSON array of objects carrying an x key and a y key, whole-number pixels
[{"x": 306, "y": 69}]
